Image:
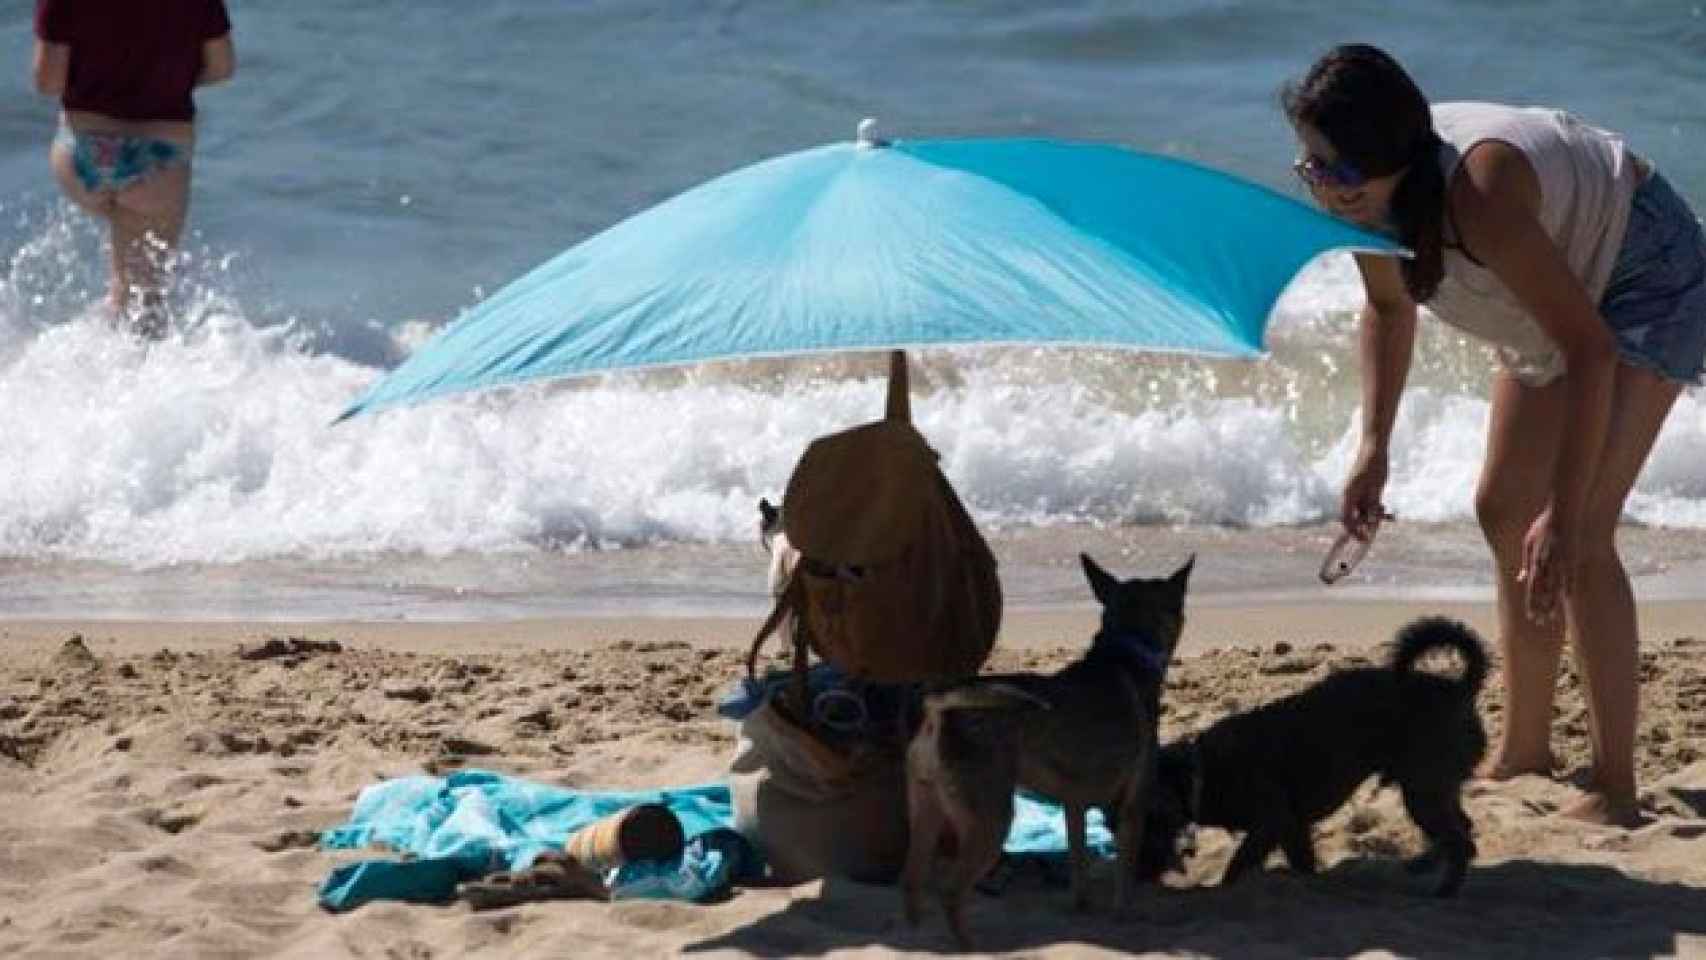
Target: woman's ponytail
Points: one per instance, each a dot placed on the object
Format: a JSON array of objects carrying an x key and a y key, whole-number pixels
[{"x": 1418, "y": 212}]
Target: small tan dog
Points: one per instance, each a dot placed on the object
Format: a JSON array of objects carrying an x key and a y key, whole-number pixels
[
  {"x": 1085, "y": 736},
  {"x": 784, "y": 556}
]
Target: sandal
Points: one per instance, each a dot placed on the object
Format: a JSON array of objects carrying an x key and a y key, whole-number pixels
[{"x": 552, "y": 877}]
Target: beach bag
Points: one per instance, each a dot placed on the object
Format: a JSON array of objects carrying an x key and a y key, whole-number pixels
[
  {"x": 813, "y": 809},
  {"x": 894, "y": 583}
]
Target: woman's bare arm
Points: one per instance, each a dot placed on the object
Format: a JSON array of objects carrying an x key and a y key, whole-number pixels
[
  {"x": 1387, "y": 337},
  {"x": 218, "y": 61},
  {"x": 52, "y": 66}
]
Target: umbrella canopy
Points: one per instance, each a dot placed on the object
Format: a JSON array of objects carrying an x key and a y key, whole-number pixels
[{"x": 867, "y": 245}]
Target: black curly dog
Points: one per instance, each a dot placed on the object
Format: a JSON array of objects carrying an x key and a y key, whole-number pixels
[{"x": 1274, "y": 771}]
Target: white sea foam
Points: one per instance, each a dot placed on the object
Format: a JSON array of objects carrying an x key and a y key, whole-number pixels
[{"x": 216, "y": 446}]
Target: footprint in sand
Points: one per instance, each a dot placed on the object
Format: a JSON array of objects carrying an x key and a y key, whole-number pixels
[
  {"x": 173, "y": 823},
  {"x": 1681, "y": 802},
  {"x": 289, "y": 840},
  {"x": 658, "y": 917},
  {"x": 165, "y": 863},
  {"x": 1540, "y": 808},
  {"x": 192, "y": 782},
  {"x": 409, "y": 950}
]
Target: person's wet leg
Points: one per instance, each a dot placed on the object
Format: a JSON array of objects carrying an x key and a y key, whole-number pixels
[{"x": 148, "y": 218}]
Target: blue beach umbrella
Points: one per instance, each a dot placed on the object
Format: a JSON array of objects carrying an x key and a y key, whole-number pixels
[{"x": 876, "y": 245}]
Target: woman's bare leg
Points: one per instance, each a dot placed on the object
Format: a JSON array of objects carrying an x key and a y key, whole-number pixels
[
  {"x": 148, "y": 218},
  {"x": 1523, "y": 438},
  {"x": 1601, "y": 607}
]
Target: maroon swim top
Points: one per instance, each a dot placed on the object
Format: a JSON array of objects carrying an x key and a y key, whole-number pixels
[{"x": 132, "y": 59}]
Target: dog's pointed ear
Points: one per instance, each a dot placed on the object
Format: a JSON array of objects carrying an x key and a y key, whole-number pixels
[
  {"x": 767, "y": 512},
  {"x": 1102, "y": 583},
  {"x": 1182, "y": 576}
]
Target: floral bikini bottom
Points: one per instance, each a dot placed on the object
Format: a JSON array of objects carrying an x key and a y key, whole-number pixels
[{"x": 110, "y": 162}]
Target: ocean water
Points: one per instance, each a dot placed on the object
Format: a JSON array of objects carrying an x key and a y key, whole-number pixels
[{"x": 379, "y": 165}]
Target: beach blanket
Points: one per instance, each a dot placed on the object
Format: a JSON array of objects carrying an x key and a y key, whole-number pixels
[{"x": 474, "y": 822}]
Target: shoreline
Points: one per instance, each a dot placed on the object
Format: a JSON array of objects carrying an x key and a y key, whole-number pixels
[
  {"x": 1416, "y": 565},
  {"x": 1211, "y": 623}
]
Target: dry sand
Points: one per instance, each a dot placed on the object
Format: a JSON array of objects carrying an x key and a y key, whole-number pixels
[{"x": 165, "y": 794}]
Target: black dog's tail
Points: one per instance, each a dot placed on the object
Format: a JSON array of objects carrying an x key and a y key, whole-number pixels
[{"x": 1423, "y": 636}]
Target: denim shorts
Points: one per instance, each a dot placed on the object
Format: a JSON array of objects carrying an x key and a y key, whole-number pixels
[{"x": 1655, "y": 301}]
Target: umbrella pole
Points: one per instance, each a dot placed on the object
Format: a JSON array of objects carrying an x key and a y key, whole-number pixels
[{"x": 900, "y": 400}]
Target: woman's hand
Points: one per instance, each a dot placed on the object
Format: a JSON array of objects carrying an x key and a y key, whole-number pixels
[
  {"x": 1549, "y": 556},
  {"x": 1360, "y": 509}
]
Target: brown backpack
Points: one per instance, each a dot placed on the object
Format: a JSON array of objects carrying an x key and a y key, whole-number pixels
[{"x": 894, "y": 583}]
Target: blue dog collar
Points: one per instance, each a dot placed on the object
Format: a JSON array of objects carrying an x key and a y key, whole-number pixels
[{"x": 1139, "y": 648}]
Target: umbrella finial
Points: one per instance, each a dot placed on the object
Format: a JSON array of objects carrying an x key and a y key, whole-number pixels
[{"x": 866, "y": 136}]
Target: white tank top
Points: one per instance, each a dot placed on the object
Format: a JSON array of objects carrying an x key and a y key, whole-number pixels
[{"x": 1587, "y": 178}]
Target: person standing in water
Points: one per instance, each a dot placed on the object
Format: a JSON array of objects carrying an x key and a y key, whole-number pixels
[
  {"x": 1550, "y": 240},
  {"x": 123, "y": 72}
]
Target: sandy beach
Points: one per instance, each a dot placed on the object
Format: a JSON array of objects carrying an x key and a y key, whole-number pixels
[
  {"x": 167, "y": 793},
  {"x": 482, "y": 347}
]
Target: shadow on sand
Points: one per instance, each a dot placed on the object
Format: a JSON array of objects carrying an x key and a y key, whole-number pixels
[{"x": 1516, "y": 908}]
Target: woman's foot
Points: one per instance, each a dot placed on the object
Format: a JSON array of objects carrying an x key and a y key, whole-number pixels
[
  {"x": 1600, "y": 808},
  {"x": 1501, "y": 766}
]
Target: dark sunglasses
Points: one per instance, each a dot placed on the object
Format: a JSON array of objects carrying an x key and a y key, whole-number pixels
[{"x": 1317, "y": 172}]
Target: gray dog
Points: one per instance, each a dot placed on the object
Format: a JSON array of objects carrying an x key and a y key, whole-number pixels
[{"x": 1085, "y": 736}]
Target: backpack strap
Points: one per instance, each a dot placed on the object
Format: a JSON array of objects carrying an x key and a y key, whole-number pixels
[{"x": 790, "y": 600}]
